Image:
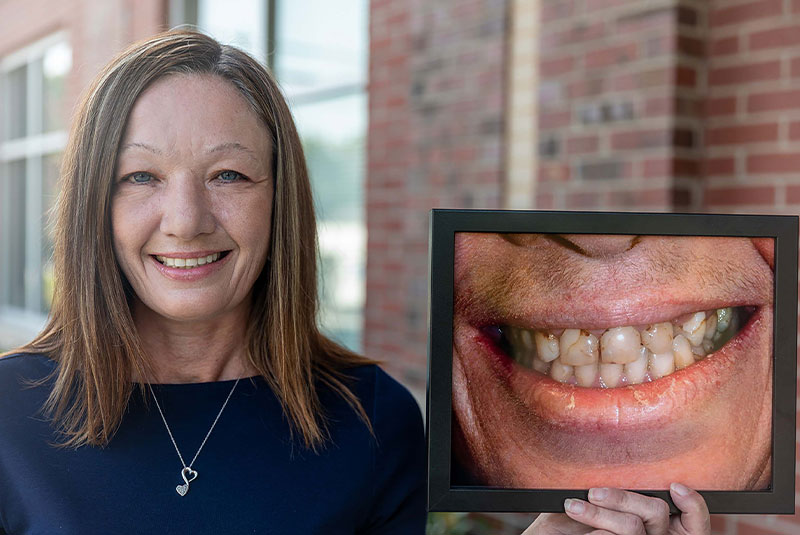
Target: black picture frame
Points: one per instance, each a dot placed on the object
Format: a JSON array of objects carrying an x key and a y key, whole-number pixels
[{"x": 779, "y": 499}]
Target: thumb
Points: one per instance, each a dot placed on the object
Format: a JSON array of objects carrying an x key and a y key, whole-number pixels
[{"x": 694, "y": 518}]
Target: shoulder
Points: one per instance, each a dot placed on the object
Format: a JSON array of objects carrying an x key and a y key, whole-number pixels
[
  {"x": 20, "y": 369},
  {"x": 382, "y": 396}
]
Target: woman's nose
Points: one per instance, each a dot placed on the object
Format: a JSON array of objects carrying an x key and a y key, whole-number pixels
[{"x": 186, "y": 210}]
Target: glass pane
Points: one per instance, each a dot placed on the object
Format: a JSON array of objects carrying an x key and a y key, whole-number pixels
[
  {"x": 17, "y": 84},
  {"x": 320, "y": 44},
  {"x": 50, "y": 173},
  {"x": 241, "y": 23},
  {"x": 55, "y": 66},
  {"x": 13, "y": 219},
  {"x": 333, "y": 138}
]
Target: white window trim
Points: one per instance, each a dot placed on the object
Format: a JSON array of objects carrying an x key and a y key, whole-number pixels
[{"x": 19, "y": 325}]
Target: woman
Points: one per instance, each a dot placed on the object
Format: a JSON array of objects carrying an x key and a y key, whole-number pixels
[
  {"x": 185, "y": 256},
  {"x": 185, "y": 384}
]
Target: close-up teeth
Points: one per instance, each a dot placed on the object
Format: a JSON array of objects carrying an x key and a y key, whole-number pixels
[
  {"x": 188, "y": 263},
  {"x": 624, "y": 355}
]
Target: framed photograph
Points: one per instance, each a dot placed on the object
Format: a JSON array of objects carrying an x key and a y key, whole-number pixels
[{"x": 570, "y": 350}]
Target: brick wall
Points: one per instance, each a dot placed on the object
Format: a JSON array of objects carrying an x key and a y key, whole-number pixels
[
  {"x": 436, "y": 96},
  {"x": 96, "y": 30}
]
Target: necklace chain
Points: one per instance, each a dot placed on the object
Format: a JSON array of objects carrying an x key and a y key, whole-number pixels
[{"x": 187, "y": 469}]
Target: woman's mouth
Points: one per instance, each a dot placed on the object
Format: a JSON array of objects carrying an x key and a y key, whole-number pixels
[
  {"x": 192, "y": 262},
  {"x": 620, "y": 356}
]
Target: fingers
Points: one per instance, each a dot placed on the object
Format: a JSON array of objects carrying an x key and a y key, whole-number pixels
[
  {"x": 694, "y": 517},
  {"x": 621, "y": 512}
]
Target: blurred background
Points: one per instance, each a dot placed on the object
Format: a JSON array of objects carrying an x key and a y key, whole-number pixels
[{"x": 406, "y": 105}]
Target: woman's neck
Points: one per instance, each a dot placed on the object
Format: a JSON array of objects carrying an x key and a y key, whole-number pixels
[{"x": 194, "y": 352}]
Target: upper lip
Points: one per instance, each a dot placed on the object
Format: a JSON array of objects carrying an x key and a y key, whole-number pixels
[{"x": 595, "y": 295}]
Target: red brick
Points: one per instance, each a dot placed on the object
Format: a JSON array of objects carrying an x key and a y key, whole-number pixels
[
  {"x": 773, "y": 163},
  {"x": 719, "y": 166},
  {"x": 750, "y": 133},
  {"x": 775, "y": 38},
  {"x": 554, "y": 119},
  {"x": 557, "y": 9},
  {"x": 685, "y": 76},
  {"x": 556, "y": 66},
  {"x": 582, "y": 144},
  {"x": 687, "y": 16},
  {"x": 742, "y": 74},
  {"x": 744, "y": 195},
  {"x": 793, "y": 197},
  {"x": 640, "y": 139},
  {"x": 772, "y": 101},
  {"x": 794, "y": 130},
  {"x": 556, "y": 172},
  {"x": 685, "y": 167},
  {"x": 657, "y": 19},
  {"x": 691, "y": 46},
  {"x": 725, "y": 46},
  {"x": 795, "y": 6},
  {"x": 795, "y": 67},
  {"x": 659, "y": 106},
  {"x": 582, "y": 200},
  {"x": 586, "y": 87},
  {"x": 720, "y": 106},
  {"x": 657, "y": 167},
  {"x": 611, "y": 56},
  {"x": 746, "y": 12},
  {"x": 545, "y": 201}
]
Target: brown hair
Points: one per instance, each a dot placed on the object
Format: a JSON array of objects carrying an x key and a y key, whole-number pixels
[{"x": 90, "y": 332}]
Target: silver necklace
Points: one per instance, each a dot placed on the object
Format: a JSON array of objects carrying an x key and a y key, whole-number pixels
[{"x": 187, "y": 473}]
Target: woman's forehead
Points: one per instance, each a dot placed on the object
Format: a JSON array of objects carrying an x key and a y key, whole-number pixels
[{"x": 194, "y": 112}]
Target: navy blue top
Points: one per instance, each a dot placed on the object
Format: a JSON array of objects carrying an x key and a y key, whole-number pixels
[{"x": 252, "y": 478}]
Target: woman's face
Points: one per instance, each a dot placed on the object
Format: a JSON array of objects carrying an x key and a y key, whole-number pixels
[
  {"x": 192, "y": 199},
  {"x": 588, "y": 360}
]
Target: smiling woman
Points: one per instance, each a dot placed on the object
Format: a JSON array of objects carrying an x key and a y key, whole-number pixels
[{"x": 181, "y": 383}]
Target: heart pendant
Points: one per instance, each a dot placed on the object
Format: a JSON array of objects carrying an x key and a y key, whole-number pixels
[{"x": 188, "y": 476}]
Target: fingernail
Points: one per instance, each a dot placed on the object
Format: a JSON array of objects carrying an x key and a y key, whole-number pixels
[
  {"x": 598, "y": 494},
  {"x": 574, "y": 506},
  {"x": 679, "y": 489}
]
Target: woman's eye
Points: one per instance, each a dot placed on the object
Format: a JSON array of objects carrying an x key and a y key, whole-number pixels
[
  {"x": 230, "y": 176},
  {"x": 140, "y": 178}
]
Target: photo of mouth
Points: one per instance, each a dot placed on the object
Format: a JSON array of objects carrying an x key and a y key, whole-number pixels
[{"x": 631, "y": 361}]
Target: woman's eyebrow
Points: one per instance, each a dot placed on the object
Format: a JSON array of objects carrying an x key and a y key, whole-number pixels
[{"x": 222, "y": 147}]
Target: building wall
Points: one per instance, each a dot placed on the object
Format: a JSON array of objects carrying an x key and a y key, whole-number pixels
[
  {"x": 435, "y": 139},
  {"x": 96, "y": 30}
]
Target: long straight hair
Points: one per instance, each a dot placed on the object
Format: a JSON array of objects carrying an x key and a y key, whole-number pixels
[{"x": 90, "y": 332}]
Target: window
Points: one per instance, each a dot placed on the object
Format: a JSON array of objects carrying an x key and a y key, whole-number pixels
[
  {"x": 32, "y": 136},
  {"x": 318, "y": 52}
]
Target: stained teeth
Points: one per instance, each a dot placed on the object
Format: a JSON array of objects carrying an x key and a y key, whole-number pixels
[
  {"x": 188, "y": 263},
  {"x": 621, "y": 355},
  {"x": 620, "y": 345},
  {"x": 610, "y": 374},
  {"x": 695, "y": 328},
  {"x": 559, "y": 371},
  {"x": 546, "y": 346},
  {"x": 587, "y": 374},
  {"x": 658, "y": 337},
  {"x": 682, "y": 351},
  {"x": 578, "y": 347},
  {"x": 661, "y": 364},
  {"x": 636, "y": 371}
]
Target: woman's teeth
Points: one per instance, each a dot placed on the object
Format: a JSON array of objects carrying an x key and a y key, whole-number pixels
[
  {"x": 188, "y": 263},
  {"x": 622, "y": 356}
]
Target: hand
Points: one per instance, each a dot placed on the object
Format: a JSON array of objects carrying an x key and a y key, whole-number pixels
[{"x": 619, "y": 512}]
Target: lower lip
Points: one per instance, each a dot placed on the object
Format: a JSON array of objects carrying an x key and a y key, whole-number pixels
[
  {"x": 190, "y": 274},
  {"x": 644, "y": 406}
]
